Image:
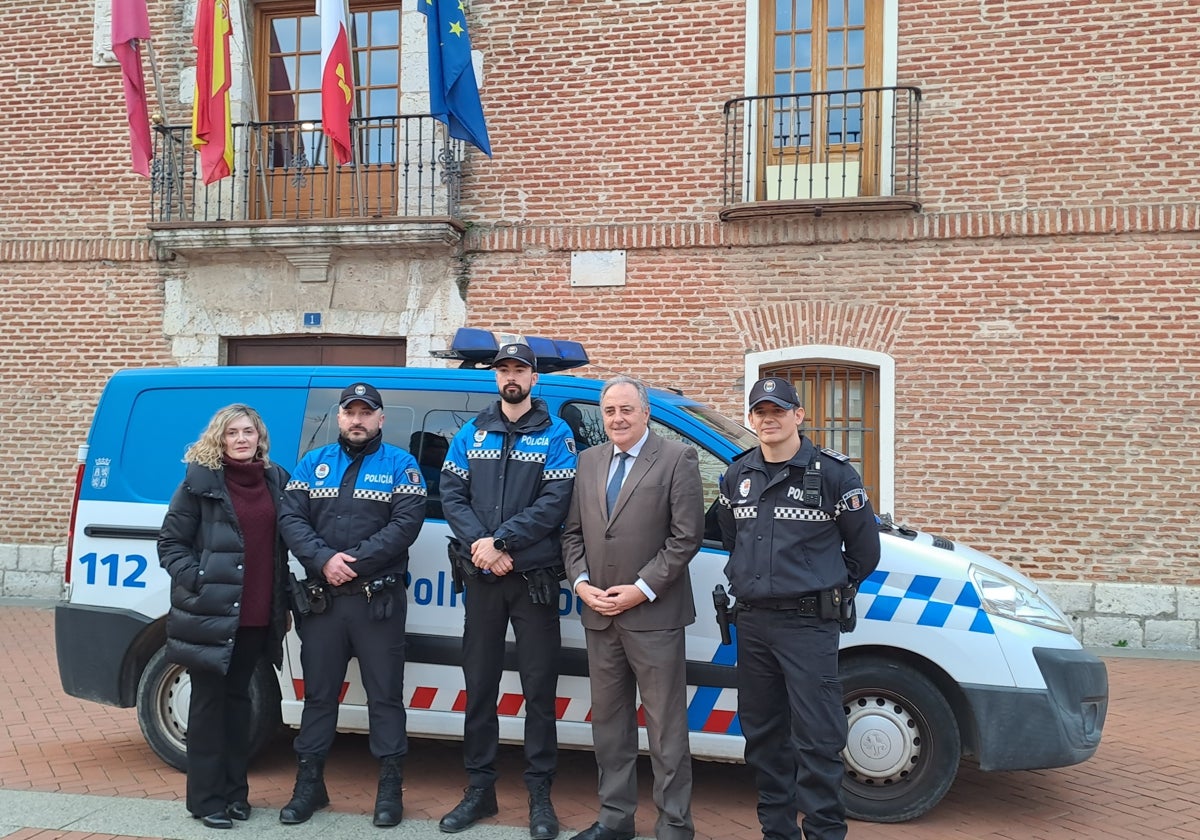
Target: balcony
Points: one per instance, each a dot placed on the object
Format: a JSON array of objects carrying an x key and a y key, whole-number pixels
[
  {"x": 811, "y": 153},
  {"x": 285, "y": 190}
]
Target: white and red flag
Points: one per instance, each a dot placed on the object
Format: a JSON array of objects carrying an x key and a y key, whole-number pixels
[{"x": 337, "y": 78}]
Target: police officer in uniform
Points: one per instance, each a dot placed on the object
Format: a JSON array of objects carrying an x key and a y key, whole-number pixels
[
  {"x": 800, "y": 532},
  {"x": 349, "y": 514},
  {"x": 506, "y": 487}
]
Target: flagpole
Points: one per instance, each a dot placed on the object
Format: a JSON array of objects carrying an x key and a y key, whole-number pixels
[
  {"x": 260, "y": 147},
  {"x": 176, "y": 165},
  {"x": 355, "y": 184}
]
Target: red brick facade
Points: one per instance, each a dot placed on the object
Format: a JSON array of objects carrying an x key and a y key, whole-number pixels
[{"x": 1041, "y": 307}]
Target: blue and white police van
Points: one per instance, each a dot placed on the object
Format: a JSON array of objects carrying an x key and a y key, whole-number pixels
[{"x": 956, "y": 656}]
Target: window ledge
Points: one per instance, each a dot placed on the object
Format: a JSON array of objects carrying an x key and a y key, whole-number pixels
[
  {"x": 190, "y": 238},
  {"x": 818, "y": 207}
]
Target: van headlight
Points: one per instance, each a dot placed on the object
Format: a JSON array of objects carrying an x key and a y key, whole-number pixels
[{"x": 1007, "y": 597}]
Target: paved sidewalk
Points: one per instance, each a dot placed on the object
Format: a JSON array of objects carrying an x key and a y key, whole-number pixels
[{"x": 70, "y": 770}]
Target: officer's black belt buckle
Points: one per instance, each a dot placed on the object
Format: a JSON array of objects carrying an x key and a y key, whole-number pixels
[{"x": 807, "y": 606}]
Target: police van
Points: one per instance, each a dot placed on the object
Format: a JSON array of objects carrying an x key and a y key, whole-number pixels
[{"x": 955, "y": 655}]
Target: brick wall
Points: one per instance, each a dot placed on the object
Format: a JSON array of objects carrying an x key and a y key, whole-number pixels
[
  {"x": 1046, "y": 385},
  {"x": 1040, "y": 308},
  {"x": 81, "y": 294}
]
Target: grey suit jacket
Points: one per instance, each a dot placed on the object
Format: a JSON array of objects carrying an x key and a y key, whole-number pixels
[{"x": 656, "y": 528}]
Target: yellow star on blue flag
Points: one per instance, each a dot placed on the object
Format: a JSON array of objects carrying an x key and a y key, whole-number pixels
[{"x": 453, "y": 89}]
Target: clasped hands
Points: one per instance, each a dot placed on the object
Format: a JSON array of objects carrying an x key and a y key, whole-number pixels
[
  {"x": 487, "y": 558},
  {"x": 612, "y": 601},
  {"x": 337, "y": 569}
]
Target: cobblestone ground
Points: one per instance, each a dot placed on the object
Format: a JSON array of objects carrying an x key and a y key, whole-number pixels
[{"x": 1144, "y": 781}]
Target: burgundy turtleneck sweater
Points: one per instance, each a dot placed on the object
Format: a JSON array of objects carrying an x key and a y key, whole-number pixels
[{"x": 255, "y": 509}]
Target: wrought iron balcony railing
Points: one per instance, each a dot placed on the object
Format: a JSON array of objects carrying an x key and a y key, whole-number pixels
[
  {"x": 808, "y": 152},
  {"x": 404, "y": 167}
]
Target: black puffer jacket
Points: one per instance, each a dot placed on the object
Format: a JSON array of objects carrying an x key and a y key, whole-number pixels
[{"x": 200, "y": 545}]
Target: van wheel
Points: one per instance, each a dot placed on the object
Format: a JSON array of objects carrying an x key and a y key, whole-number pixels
[
  {"x": 902, "y": 748},
  {"x": 165, "y": 692}
]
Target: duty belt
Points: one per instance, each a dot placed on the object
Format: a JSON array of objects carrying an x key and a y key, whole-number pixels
[
  {"x": 367, "y": 588},
  {"x": 345, "y": 589},
  {"x": 805, "y": 605}
]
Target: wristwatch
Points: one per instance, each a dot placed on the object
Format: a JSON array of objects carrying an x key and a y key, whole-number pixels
[{"x": 499, "y": 544}]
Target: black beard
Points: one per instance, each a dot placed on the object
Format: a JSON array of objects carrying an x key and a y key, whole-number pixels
[{"x": 514, "y": 398}]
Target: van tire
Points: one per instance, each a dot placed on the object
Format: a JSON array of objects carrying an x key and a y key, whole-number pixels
[
  {"x": 903, "y": 747},
  {"x": 164, "y": 692}
]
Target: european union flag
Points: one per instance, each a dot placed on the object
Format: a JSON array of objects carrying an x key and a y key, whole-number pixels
[{"x": 453, "y": 90}]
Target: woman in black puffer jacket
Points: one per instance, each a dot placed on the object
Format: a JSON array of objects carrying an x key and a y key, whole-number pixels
[{"x": 228, "y": 566}]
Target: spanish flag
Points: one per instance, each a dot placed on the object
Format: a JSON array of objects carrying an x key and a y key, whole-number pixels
[
  {"x": 212, "y": 122},
  {"x": 337, "y": 78}
]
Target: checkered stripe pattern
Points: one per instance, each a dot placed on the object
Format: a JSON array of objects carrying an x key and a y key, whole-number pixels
[
  {"x": 296, "y": 485},
  {"x": 457, "y": 470},
  {"x": 723, "y": 500},
  {"x": 803, "y": 514},
  {"x": 323, "y": 493},
  {"x": 924, "y": 600},
  {"x": 745, "y": 512},
  {"x": 484, "y": 454},
  {"x": 554, "y": 475},
  {"x": 372, "y": 495},
  {"x": 410, "y": 490},
  {"x": 530, "y": 457}
]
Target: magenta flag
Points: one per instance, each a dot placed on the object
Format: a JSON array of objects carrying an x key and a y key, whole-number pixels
[{"x": 130, "y": 24}]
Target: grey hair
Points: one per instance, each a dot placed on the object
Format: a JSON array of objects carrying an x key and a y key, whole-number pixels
[{"x": 638, "y": 385}]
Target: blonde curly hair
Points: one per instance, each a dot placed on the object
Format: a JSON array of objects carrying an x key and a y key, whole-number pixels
[{"x": 208, "y": 450}]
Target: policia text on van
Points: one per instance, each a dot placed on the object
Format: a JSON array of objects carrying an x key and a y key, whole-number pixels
[{"x": 954, "y": 655}]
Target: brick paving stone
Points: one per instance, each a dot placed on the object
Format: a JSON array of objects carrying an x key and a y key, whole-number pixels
[{"x": 1143, "y": 782}]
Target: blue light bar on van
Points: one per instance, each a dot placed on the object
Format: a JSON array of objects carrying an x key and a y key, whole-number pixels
[
  {"x": 476, "y": 347},
  {"x": 572, "y": 353}
]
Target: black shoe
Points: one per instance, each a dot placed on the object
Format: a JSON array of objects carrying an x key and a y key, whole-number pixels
[
  {"x": 309, "y": 794},
  {"x": 389, "y": 798},
  {"x": 218, "y": 820},
  {"x": 543, "y": 822},
  {"x": 238, "y": 810},
  {"x": 477, "y": 804},
  {"x": 600, "y": 832}
]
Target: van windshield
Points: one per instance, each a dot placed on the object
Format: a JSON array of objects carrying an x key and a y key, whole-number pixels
[{"x": 741, "y": 437}]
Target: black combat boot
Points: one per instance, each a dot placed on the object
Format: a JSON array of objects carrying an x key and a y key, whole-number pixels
[
  {"x": 309, "y": 794},
  {"x": 477, "y": 803},
  {"x": 543, "y": 822},
  {"x": 389, "y": 799}
]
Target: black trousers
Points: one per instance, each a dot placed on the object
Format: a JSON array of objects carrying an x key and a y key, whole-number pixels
[
  {"x": 489, "y": 608},
  {"x": 328, "y": 641},
  {"x": 218, "y": 735},
  {"x": 794, "y": 747}
]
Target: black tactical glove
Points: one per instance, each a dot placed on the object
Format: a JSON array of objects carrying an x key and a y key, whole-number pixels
[{"x": 543, "y": 585}]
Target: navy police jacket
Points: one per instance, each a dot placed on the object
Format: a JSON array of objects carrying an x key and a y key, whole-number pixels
[
  {"x": 784, "y": 545},
  {"x": 370, "y": 504},
  {"x": 511, "y": 483}
]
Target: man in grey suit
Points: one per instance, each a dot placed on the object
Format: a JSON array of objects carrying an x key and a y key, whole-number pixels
[{"x": 636, "y": 520}]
